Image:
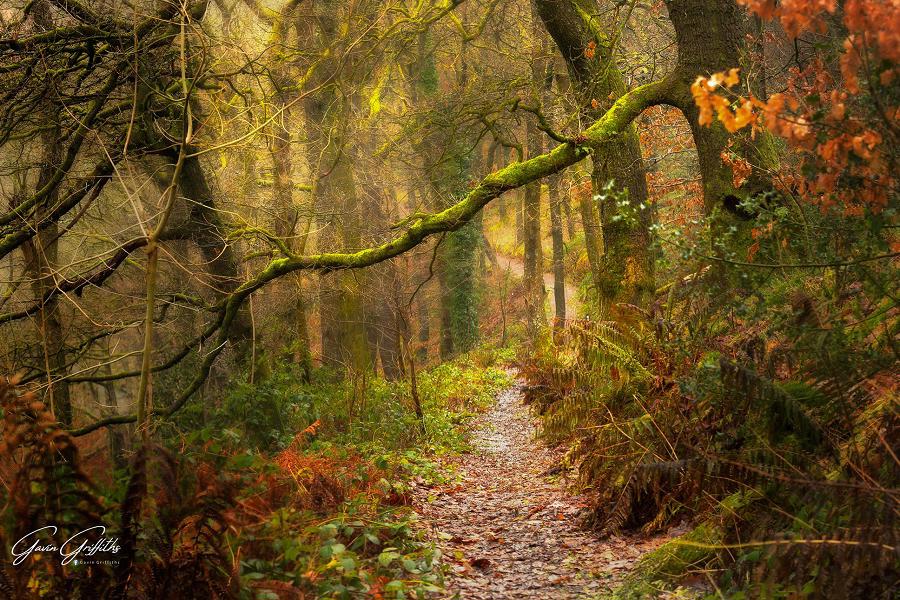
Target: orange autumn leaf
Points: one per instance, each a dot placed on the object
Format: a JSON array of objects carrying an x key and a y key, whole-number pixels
[
  {"x": 764, "y": 8},
  {"x": 740, "y": 168},
  {"x": 796, "y": 16},
  {"x": 752, "y": 250},
  {"x": 700, "y": 92},
  {"x": 732, "y": 79},
  {"x": 850, "y": 64},
  {"x": 744, "y": 115},
  {"x": 838, "y": 111}
]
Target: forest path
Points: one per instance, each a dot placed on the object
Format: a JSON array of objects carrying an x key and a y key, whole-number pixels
[
  {"x": 508, "y": 530},
  {"x": 516, "y": 266}
]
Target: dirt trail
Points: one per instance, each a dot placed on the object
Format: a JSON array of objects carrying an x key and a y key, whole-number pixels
[{"x": 508, "y": 530}]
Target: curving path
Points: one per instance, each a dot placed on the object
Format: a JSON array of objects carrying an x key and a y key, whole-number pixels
[
  {"x": 508, "y": 530},
  {"x": 517, "y": 266}
]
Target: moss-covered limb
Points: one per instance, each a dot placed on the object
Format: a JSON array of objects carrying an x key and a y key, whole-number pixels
[
  {"x": 83, "y": 13},
  {"x": 674, "y": 558},
  {"x": 59, "y": 35},
  {"x": 516, "y": 175},
  {"x": 622, "y": 267},
  {"x": 570, "y": 24},
  {"x": 623, "y": 112}
]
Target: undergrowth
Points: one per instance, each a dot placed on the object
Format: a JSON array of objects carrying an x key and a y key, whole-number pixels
[
  {"x": 281, "y": 490},
  {"x": 776, "y": 395}
]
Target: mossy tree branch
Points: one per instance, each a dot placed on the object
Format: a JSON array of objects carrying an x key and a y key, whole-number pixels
[{"x": 516, "y": 175}]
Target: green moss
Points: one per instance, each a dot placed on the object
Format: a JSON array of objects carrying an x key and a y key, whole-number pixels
[{"x": 676, "y": 557}]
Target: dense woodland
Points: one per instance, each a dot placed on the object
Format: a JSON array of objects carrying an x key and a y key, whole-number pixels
[{"x": 266, "y": 264}]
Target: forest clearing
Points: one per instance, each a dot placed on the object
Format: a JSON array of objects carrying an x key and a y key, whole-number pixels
[{"x": 449, "y": 299}]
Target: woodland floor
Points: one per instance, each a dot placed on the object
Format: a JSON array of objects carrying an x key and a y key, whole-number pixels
[{"x": 509, "y": 529}]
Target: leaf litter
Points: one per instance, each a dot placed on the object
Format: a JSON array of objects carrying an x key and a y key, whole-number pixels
[{"x": 510, "y": 529}]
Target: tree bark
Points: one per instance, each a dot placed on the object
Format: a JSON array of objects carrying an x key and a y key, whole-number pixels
[
  {"x": 556, "y": 233},
  {"x": 593, "y": 236},
  {"x": 343, "y": 333},
  {"x": 533, "y": 280},
  {"x": 448, "y": 162},
  {"x": 423, "y": 314},
  {"x": 711, "y": 37},
  {"x": 286, "y": 221},
  {"x": 382, "y": 284},
  {"x": 625, "y": 272},
  {"x": 207, "y": 231},
  {"x": 570, "y": 221},
  {"x": 42, "y": 255}
]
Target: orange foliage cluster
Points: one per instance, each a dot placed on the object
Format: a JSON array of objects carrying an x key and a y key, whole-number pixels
[
  {"x": 831, "y": 124},
  {"x": 664, "y": 131},
  {"x": 740, "y": 167},
  {"x": 311, "y": 481},
  {"x": 796, "y": 16},
  {"x": 703, "y": 90},
  {"x": 870, "y": 23}
]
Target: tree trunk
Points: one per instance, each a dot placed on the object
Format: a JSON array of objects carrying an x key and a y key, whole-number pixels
[
  {"x": 570, "y": 221},
  {"x": 343, "y": 332},
  {"x": 393, "y": 332},
  {"x": 42, "y": 256},
  {"x": 423, "y": 314},
  {"x": 556, "y": 232},
  {"x": 519, "y": 208},
  {"x": 593, "y": 240},
  {"x": 620, "y": 185},
  {"x": 533, "y": 280},
  {"x": 117, "y": 440},
  {"x": 285, "y": 226},
  {"x": 448, "y": 161},
  {"x": 205, "y": 228},
  {"x": 424, "y": 337},
  {"x": 711, "y": 37},
  {"x": 625, "y": 273},
  {"x": 382, "y": 284},
  {"x": 344, "y": 340},
  {"x": 541, "y": 80}
]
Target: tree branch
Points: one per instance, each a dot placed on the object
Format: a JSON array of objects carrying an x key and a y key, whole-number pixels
[{"x": 516, "y": 175}]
